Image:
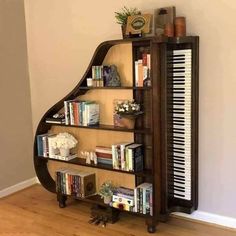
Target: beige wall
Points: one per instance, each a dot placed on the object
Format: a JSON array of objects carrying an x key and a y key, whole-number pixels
[
  {"x": 16, "y": 121},
  {"x": 62, "y": 36}
]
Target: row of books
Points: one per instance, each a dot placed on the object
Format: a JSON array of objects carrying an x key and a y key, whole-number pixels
[
  {"x": 142, "y": 71},
  {"x": 127, "y": 156},
  {"x": 45, "y": 148},
  {"x": 138, "y": 200},
  {"x": 76, "y": 183},
  {"x": 122, "y": 156},
  {"x": 84, "y": 113},
  {"x": 97, "y": 72}
]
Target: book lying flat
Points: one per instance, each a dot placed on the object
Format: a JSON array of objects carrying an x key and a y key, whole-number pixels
[{"x": 59, "y": 157}]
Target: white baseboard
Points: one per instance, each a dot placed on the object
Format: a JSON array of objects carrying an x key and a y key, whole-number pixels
[
  {"x": 15, "y": 188},
  {"x": 209, "y": 218}
]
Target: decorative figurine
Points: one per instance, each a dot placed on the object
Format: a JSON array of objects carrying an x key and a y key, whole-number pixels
[
  {"x": 111, "y": 76},
  {"x": 88, "y": 160}
]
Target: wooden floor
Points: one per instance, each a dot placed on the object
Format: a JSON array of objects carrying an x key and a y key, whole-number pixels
[{"x": 35, "y": 211}]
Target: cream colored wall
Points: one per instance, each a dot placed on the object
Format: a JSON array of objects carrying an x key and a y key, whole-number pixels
[
  {"x": 62, "y": 36},
  {"x": 15, "y": 119}
]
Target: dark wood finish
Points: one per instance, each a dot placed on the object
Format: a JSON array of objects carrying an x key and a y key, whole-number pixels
[
  {"x": 82, "y": 162},
  {"x": 107, "y": 127},
  {"x": 124, "y": 87},
  {"x": 151, "y": 129}
]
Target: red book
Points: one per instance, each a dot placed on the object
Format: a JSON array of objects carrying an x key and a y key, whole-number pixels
[{"x": 144, "y": 56}]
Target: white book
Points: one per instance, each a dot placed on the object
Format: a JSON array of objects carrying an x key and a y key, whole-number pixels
[
  {"x": 135, "y": 201},
  {"x": 123, "y": 155},
  {"x": 66, "y": 110},
  {"x": 115, "y": 162},
  {"x": 52, "y": 151}
]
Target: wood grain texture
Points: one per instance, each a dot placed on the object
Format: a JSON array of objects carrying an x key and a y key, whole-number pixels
[
  {"x": 121, "y": 56},
  {"x": 34, "y": 212}
]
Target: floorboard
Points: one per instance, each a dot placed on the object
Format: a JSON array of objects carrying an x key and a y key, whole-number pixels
[{"x": 35, "y": 212}]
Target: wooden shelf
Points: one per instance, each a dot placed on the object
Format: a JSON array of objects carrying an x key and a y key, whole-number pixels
[
  {"x": 106, "y": 127},
  {"x": 82, "y": 162},
  {"x": 124, "y": 87},
  {"x": 96, "y": 199}
]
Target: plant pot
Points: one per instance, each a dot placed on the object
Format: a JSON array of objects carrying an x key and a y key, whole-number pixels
[
  {"x": 65, "y": 152},
  {"x": 123, "y": 30},
  {"x": 124, "y": 121},
  {"x": 107, "y": 199}
]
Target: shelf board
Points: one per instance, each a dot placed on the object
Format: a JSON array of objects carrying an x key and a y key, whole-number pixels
[
  {"x": 96, "y": 199},
  {"x": 106, "y": 127},
  {"x": 82, "y": 162},
  {"x": 122, "y": 87}
]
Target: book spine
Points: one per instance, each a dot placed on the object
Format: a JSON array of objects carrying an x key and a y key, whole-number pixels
[
  {"x": 45, "y": 146},
  {"x": 141, "y": 200},
  {"x": 114, "y": 157},
  {"x": 140, "y": 73},
  {"x": 136, "y": 73},
  {"x": 71, "y": 113},
  {"x": 148, "y": 201},
  {"x": 130, "y": 156},
  {"x": 144, "y": 200},
  {"x": 75, "y": 109},
  {"x": 93, "y": 72},
  {"x": 82, "y": 186},
  {"x": 66, "y": 110},
  {"x": 122, "y": 156},
  {"x": 138, "y": 200},
  {"x": 151, "y": 202},
  {"x": 66, "y": 184},
  {"x": 135, "y": 201},
  {"x": 40, "y": 145}
]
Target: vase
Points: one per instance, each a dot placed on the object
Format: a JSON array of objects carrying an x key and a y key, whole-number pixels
[
  {"x": 107, "y": 199},
  {"x": 124, "y": 121},
  {"x": 65, "y": 152},
  {"x": 123, "y": 30}
]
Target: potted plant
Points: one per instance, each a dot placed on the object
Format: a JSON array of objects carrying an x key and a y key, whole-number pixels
[
  {"x": 64, "y": 142},
  {"x": 106, "y": 191},
  {"x": 125, "y": 113},
  {"x": 123, "y": 15}
]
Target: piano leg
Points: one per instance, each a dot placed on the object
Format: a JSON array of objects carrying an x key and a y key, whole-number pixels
[
  {"x": 151, "y": 225},
  {"x": 61, "y": 200},
  {"x": 151, "y": 229}
]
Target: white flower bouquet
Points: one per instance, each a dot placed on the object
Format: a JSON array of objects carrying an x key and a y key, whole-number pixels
[
  {"x": 64, "y": 140},
  {"x": 127, "y": 107}
]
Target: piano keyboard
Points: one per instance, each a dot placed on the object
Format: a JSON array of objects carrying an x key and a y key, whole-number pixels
[{"x": 179, "y": 64}]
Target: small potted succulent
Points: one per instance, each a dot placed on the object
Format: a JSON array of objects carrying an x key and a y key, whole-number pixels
[
  {"x": 106, "y": 191},
  {"x": 125, "y": 113},
  {"x": 64, "y": 142},
  {"x": 123, "y": 15}
]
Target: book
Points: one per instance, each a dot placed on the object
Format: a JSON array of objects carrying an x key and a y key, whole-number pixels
[
  {"x": 134, "y": 153},
  {"x": 143, "y": 198},
  {"x": 40, "y": 144},
  {"x": 52, "y": 151},
  {"x": 55, "y": 120},
  {"x": 62, "y": 158}
]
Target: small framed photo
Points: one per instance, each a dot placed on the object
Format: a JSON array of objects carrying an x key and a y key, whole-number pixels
[{"x": 138, "y": 24}]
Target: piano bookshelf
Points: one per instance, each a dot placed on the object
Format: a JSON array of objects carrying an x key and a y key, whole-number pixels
[{"x": 168, "y": 129}]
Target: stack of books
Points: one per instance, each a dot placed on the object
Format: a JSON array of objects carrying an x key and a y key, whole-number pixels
[
  {"x": 142, "y": 70},
  {"x": 84, "y": 113},
  {"x": 135, "y": 200},
  {"x": 143, "y": 199},
  {"x": 127, "y": 156},
  {"x": 97, "y": 76},
  {"x": 104, "y": 155},
  {"x": 73, "y": 182},
  {"x": 123, "y": 198}
]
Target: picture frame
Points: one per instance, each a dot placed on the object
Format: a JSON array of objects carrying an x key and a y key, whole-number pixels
[{"x": 139, "y": 24}]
